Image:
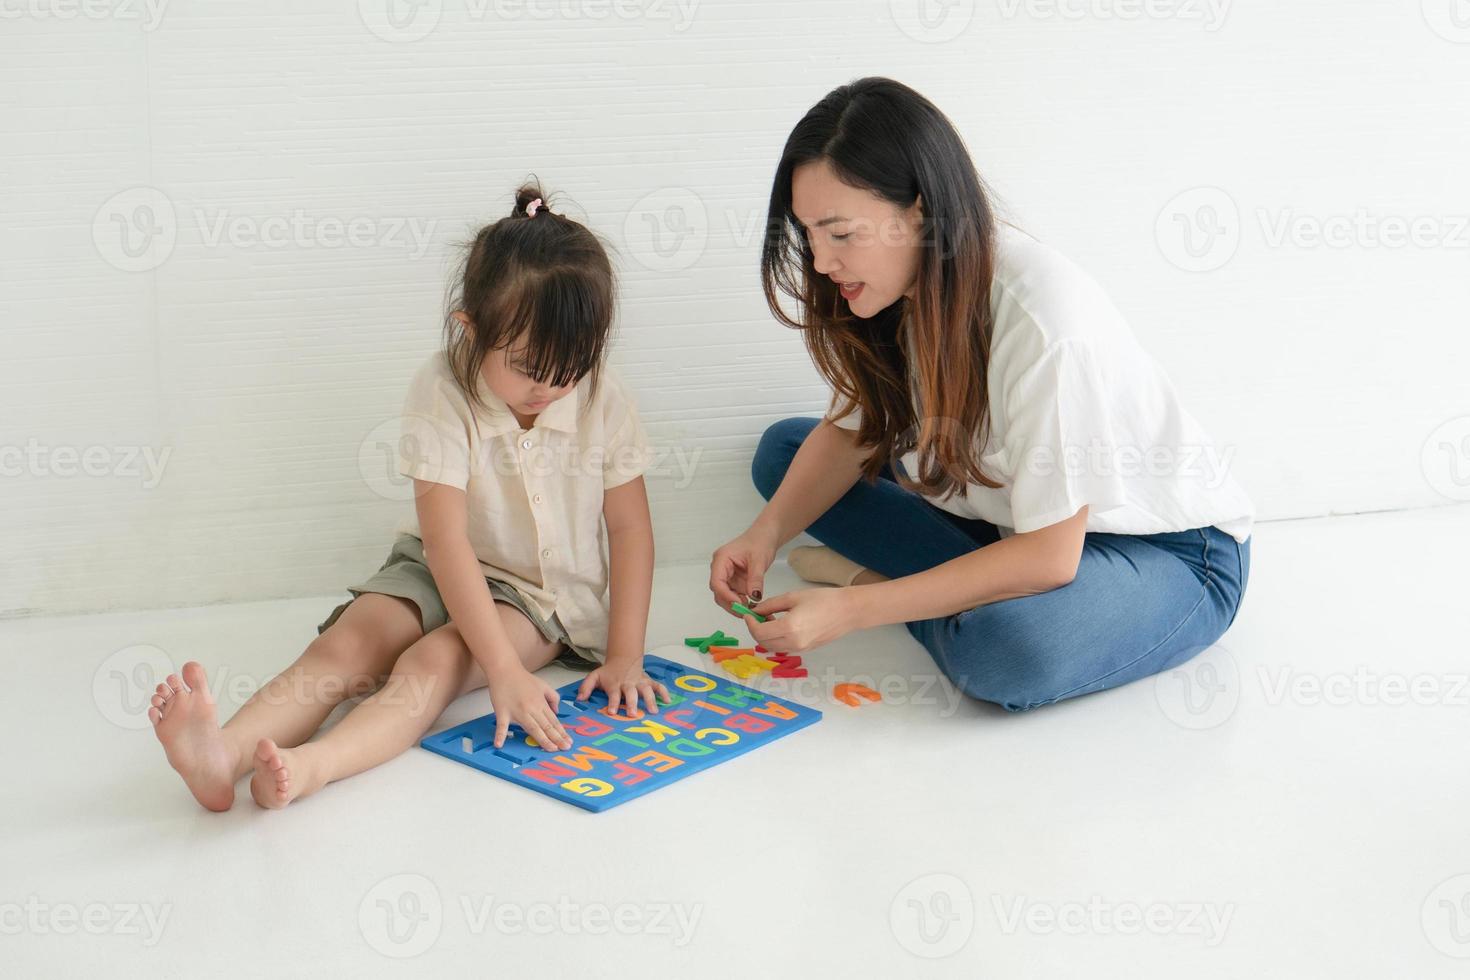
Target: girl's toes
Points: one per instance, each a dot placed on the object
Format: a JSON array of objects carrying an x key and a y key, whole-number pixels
[
  {"x": 154, "y": 715},
  {"x": 269, "y": 756}
]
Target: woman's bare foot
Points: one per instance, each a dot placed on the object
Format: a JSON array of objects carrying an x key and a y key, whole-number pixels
[
  {"x": 824, "y": 566},
  {"x": 185, "y": 721},
  {"x": 282, "y": 775}
]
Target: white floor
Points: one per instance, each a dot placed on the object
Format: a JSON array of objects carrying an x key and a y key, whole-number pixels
[{"x": 1293, "y": 804}]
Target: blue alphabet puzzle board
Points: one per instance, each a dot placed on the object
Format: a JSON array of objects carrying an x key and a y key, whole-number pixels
[{"x": 615, "y": 758}]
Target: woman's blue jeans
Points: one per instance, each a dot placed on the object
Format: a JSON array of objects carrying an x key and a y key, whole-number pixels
[{"x": 1139, "y": 604}]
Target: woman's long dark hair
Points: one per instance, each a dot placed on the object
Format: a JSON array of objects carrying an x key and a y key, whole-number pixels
[{"x": 881, "y": 136}]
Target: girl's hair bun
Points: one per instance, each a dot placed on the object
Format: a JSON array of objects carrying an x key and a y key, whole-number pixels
[
  {"x": 545, "y": 281},
  {"x": 524, "y": 196}
]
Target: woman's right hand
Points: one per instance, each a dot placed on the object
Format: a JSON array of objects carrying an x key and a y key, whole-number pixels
[
  {"x": 521, "y": 697},
  {"x": 737, "y": 571}
]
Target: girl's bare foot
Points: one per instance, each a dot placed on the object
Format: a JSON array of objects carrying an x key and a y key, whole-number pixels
[
  {"x": 185, "y": 721},
  {"x": 282, "y": 775}
]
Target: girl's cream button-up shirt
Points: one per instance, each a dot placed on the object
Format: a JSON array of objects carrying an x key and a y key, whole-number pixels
[{"x": 534, "y": 496}]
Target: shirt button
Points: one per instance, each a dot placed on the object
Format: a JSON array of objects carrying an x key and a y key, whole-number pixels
[
  {"x": 546, "y": 553},
  {"x": 526, "y": 444},
  {"x": 537, "y": 498}
]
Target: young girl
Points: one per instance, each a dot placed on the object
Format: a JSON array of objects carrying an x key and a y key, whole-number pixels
[
  {"x": 521, "y": 446},
  {"x": 1003, "y": 469}
]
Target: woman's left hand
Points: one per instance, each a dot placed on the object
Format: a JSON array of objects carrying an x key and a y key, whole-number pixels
[{"x": 808, "y": 618}]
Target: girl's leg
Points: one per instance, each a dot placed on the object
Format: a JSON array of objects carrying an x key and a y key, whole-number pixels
[
  {"x": 351, "y": 657},
  {"x": 1138, "y": 606},
  {"x": 881, "y": 526},
  {"x": 427, "y": 677}
]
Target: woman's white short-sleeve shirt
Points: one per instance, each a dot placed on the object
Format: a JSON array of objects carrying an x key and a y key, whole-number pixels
[{"x": 1081, "y": 414}]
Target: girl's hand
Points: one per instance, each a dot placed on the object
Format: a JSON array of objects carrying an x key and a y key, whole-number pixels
[
  {"x": 525, "y": 699},
  {"x": 737, "y": 571},
  {"x": 624, "y": 681},
  {"x": 809, "y": 618}
]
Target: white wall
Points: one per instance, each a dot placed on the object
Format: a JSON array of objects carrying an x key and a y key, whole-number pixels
[{"x": 262, "y": 371}]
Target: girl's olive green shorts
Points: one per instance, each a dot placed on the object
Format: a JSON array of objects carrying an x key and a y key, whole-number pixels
[{"x": 406, "y": 575}]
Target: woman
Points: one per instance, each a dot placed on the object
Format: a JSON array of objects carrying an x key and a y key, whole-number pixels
[{"x": 1056, "y": 523}]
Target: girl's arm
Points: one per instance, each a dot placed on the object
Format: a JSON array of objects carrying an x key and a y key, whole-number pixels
[
  {"x": 630, "y": 550},
  {"x": 443, "y": 522}
]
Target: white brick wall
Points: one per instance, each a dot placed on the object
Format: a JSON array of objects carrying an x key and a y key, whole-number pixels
[{"x": 261, "y": 369}]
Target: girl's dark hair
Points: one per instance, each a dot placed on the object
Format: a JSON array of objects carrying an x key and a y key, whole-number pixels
[
  {"x": 546, "y": 278},
  {"x": 881, "y": 136}
]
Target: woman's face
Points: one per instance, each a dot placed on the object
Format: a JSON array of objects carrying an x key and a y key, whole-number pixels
[{"x": 865, "y": 244}]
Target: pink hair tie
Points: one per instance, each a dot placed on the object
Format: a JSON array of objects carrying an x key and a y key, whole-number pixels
[{"x": 531, "y": 208}]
